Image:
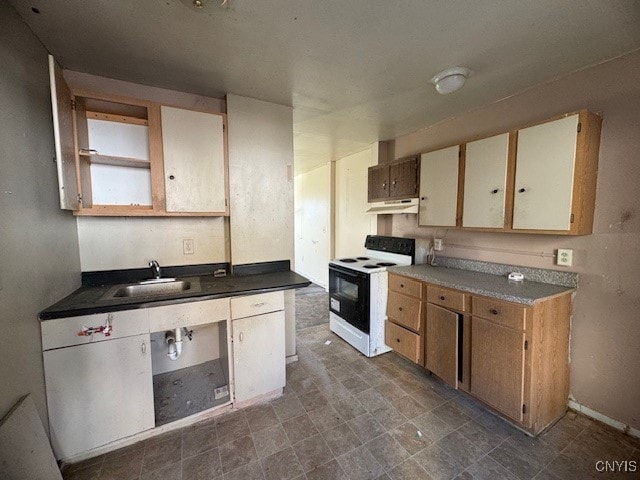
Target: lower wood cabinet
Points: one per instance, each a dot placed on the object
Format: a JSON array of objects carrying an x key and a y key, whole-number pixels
[
  {"x": 510, "y": 356},
  {"x": 441, "y": 345},
  {"x": 497, "y": 366}
]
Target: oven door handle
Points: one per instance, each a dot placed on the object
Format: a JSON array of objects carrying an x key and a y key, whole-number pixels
[{"x": 347, "y": 272}]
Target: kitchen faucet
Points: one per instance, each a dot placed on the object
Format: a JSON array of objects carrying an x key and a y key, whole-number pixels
[{"x": 155, "y": 268}]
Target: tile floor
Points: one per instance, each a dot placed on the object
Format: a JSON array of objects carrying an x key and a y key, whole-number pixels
[{"x": 344, "y": 416}]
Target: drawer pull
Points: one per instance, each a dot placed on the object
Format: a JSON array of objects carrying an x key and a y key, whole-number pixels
[
  {"x": 398, "y": 340},
  {"x": 441, "y": 297},
  {"x": 402, "y": 285},
  {"x": 494, "y": 311},
  {"x": 258, "y": 304},
  {"x": 143, "y": 347},
  {"x": 400, "y": 308}
]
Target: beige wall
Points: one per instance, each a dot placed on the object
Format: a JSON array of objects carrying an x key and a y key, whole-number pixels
[
  {"x": 605, "y": 335},
  {"x": 261, "y": 180},
  {"x": 352, "y": 224},
  {"x": 117, "y": 243},
  {"x": 39, "y": 262},
  {"x": 313, "y": 215}
]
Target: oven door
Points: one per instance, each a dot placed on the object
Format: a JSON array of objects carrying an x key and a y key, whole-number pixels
[{"x": 349, "y": 296}]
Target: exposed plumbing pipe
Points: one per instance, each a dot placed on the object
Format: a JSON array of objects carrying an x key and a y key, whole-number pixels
[{"x": 173, "y": 338}]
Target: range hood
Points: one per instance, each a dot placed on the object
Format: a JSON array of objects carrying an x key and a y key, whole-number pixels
[{"x": 409, "y": 205}]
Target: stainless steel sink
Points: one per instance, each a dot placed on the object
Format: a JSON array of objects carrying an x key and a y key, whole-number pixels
[{"x": 144, "y": 289}]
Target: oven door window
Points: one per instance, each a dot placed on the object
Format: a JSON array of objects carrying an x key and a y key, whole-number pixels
[{"x": 347, "y": 289}]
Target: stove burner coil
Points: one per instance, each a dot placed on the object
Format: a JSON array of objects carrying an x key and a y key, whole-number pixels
[{"x": 348, "y": 260}]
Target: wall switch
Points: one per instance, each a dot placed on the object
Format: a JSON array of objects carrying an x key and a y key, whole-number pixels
[
  {"x": 187, "y": 246},
  {"x": 565, "y": 257},
  {"x": 437, "y": 244}
]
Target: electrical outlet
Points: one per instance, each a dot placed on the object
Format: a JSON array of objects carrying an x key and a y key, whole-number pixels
[
  {"x": 187, "y": 246},
  {"x": 565, "y": 257},
  {"x": 437, "y": 244}
]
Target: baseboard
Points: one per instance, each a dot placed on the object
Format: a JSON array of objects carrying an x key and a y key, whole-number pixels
[
  {"x": 578, "y": 407},
  {"x": 292, "y": 358}
]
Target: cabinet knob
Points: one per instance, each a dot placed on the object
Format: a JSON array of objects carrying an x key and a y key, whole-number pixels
[
  {"x": 495, "y": 190},
  {"x": 398, "y": 340},
  {"x": 494, "y": 311},
  {"x": 241, "y": 336},
  {"x": 402, "y": 285},
  {"x": 441, "y": 297},
  {"x": 394, "y": 183},
  {"x": 384, "y": 185},
  {"x": 143, "y": 347},
  {"x": 400, "y": 308},
  {"x": 522, "y": 190},
  {"x": 172, "y": 177}
]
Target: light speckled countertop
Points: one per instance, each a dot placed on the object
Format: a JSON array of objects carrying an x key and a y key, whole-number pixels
[{"x": 497, "y": 286}]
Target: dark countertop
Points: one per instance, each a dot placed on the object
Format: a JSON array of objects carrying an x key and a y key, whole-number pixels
[
  {"x": 88, "y": 299},
  {"x": 496, "y": 286}
]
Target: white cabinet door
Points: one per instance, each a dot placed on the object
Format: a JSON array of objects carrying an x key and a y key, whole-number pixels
[
  {"x": 439, "y": 187},
  {"x": 258, "y": 355},
  {"x": 544, "y": 175},
  {"x": 63, "y": 136},
  {"x": 98, "y": 393},
  {"x": 194, "y": 166},
  {"x": 485, "y": 181}
]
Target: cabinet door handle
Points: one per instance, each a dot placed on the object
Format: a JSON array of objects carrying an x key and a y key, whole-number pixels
[
  {"x": 394, "y": 183},
  {"x": 402, "y": 285},
  {"x": 398, "y": 340},
  {"x": 495, "y": 190},
  {"x": 143, "y": 347},
  {"x": 172, "y": 177},
  {"x": 241, "y": 336},
  {"x": 441, "y": 297},
  {"x": 384, "y": 185},
  {"x": 400, "y": 308},
  {"x": 522, "y": 190},
  {"x": 494, "y": 311}
]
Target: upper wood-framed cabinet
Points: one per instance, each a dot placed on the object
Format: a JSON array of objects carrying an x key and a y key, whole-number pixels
[
  {"x": 396, "y": 180},
  {"x": 538, "y": 179},
  {"x": 555, "y": 176},
  {"x": 439, "y": 187},
  {"x": 119, "y": 156},
  {"x": 485, "y": 182}
]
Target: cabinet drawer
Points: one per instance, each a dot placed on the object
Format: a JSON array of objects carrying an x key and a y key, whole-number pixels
[
  {"x": 508, "y": 314},
  {"x": 408, "y": 286},
  {"x": 189, "y": 314},
  {"x": 447, "y": 298},
  {"x": 403, "y": 341},
  {"x": 250, "y": 305},
  {"x": 404, "y": 310},
  {"x": 63, "y": 332}
]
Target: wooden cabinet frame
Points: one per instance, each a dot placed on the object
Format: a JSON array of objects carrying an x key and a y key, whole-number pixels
[
  {"x": 397, "y": 180},
  {"x": 584, "y": 179},
  {"x": 541, "y": 333},
  {"x": 70, "y": 127}
]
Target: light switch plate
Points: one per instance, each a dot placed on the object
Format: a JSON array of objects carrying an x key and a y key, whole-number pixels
[
  {"x": 187, "y": 246},
  {"x": 565, "y": 257}
]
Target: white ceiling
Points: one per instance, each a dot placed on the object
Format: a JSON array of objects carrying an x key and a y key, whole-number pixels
[{"x": 355, "y": 71}]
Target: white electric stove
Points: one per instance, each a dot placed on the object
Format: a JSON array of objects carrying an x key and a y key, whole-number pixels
[{"x": 358, "y": 291}]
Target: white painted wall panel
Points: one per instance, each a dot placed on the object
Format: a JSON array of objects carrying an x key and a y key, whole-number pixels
[
  {"x": 352, "y": 224},
  {"x": 113, "y": 243}
]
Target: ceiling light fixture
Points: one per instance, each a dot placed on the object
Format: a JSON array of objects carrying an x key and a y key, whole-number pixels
[{"x": 450, "y": 80}]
